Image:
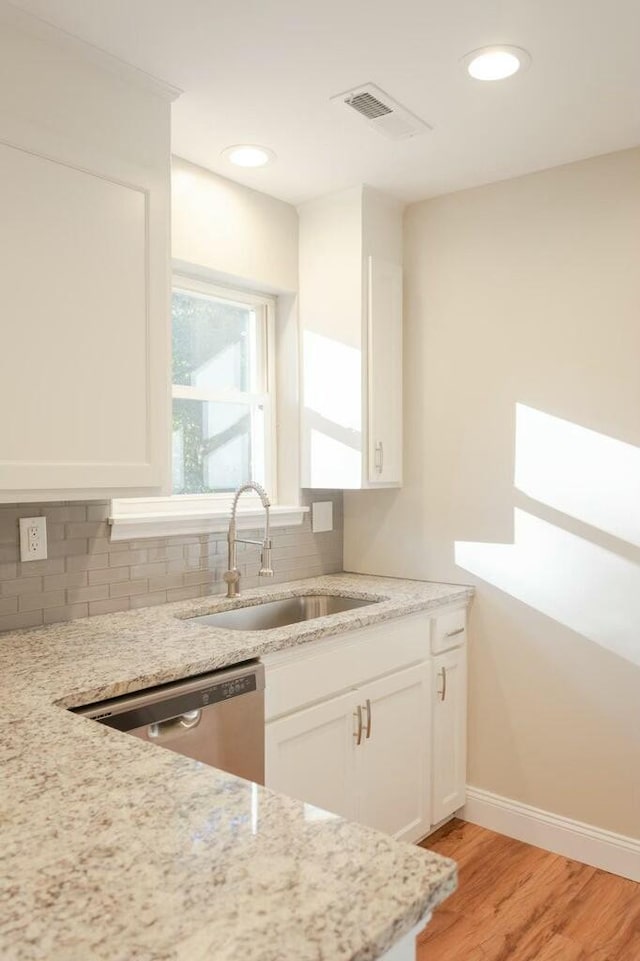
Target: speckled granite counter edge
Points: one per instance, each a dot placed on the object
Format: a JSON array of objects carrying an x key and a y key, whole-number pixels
[{"x": 89, "y": 659}]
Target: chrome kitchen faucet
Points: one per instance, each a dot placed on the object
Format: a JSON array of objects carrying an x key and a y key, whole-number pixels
[{"x": 232, "y": 575}]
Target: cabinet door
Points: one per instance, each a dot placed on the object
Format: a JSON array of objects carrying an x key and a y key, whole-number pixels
[
  {"x": 449, "y": 705},
  {"x": 393, "y": 761},
  {"x": 385, "y": 372},
  {"x": 85, "y": 343},
  {"x": 309, "y": 755}
]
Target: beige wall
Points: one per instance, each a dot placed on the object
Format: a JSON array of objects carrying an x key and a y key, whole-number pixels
[
  {"x": 528, "y": 292},
  {"x": 227, "y": 228}
]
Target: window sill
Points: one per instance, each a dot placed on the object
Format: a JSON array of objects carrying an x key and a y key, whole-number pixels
[{"x": 171, "y": 517}]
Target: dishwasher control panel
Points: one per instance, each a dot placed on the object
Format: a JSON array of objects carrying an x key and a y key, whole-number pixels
[
  {"x": 226, "y": 689},
  {"x": 173, "y": 700}
]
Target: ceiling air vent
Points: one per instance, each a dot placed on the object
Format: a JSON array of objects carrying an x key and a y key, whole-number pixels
[{"x": 382, "y": 112}]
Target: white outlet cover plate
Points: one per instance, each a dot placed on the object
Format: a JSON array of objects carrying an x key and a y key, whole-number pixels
[
  {"x": 33, "y": 539},
  {"x": 322, "y": 516}
]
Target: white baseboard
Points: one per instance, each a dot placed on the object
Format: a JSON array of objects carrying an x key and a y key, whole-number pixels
[{"x": 572, "y": 839}]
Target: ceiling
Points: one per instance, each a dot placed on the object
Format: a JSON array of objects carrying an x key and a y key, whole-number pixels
[{"x": 263, "y": 71}]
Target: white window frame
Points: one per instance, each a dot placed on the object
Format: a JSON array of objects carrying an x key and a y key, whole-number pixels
[
  {"x": 265, "y": 307},
  {"x": 176, "y": 514}
]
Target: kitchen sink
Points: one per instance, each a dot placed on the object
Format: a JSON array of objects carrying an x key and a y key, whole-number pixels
[{"x": 289, "y": 610}]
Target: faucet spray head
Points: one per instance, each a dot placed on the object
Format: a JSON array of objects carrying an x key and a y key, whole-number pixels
[{"x": 265, "y": 561}]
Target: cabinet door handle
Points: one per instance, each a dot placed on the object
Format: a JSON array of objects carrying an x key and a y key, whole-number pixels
[
  {"x": 358, "y": 733},
  {"x": 458, "y": 630},
  {"x": 443, "y": 692},
  {"x": 368, "y": 710},
  {"x": 379, "y": 457}
]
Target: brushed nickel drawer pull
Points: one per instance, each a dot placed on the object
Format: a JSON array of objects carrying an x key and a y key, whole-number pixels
[
  {"x": 443, "y": 692},
  {"x": 458, "y": 630},
  {"x": 358, "y": 734},
  {"x": 368, "y": 710}
]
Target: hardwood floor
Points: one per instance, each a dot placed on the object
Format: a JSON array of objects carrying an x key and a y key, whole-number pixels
[{"x": 520, "y": 903}]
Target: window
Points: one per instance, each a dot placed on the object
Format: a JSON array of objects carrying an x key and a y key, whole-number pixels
[{"x": 222, "y": 425}]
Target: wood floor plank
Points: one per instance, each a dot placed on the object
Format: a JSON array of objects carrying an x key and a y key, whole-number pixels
[
  {"x": 538, "y": 910},
  {"x": 607, "y": 912},
  {"x": 466, "y": 840},
  {"x": 516, "y": 902},
  {"x": 614, "y": 952}
]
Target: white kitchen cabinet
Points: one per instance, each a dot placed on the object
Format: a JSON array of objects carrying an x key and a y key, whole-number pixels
[
  {"x": 351, "y": 324},
  {"x": 310, "y": 755},
  {"x": 363, "y": 755},
  {"x": 449, "y": 719},
  {"x": 371, "y": 724},
  {"x": 84, "y": 260},
  {"x": 393, "y": 776},
  {"x": 384, "y": 441}
]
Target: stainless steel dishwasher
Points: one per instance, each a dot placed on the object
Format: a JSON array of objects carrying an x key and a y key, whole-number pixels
[{"x": 216, "y": 718}]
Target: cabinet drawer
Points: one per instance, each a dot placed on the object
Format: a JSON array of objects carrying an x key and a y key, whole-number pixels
[
  {"x": 448, "y": 631},
  {"x": 322, "y": 669}
]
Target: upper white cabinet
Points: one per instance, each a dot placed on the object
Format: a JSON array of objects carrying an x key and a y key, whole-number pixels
[
  {"x": 384, "y": 374},
  {"x": 84, "y": 260},
  {"x": 351, "y": 323}
]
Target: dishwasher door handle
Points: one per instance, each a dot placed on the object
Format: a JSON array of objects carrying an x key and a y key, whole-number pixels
[{"x": 174, "y": 726}]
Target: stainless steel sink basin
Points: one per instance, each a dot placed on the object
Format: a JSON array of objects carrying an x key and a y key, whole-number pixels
[{"x": 290, "y": 610}]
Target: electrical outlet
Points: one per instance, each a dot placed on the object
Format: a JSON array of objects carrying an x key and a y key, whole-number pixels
[{"x": 33, "y": 538}]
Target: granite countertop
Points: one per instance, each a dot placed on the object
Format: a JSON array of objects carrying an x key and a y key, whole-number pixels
[{"x": 113, "y": 850}]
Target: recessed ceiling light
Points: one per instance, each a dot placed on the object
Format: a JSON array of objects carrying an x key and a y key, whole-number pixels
[
  {"x": 496, "y": 63},
  {"x": 249, "y": 155}
]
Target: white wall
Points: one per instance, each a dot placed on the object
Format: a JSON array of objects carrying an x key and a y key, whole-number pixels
[
  {"x": 527, "y": 292},
  {"x": 235, "y": 235}
]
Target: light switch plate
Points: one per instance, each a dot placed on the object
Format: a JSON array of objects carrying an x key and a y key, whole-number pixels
[
  {"x": 33, "y": 539},
  {"x": 322, "y": 516}
]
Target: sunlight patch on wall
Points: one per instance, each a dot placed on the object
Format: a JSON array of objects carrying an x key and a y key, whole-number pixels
[
  {"x": 582, "y": 473},
  {"x": 332, "y": 378},
  {"x": 581, "y": 585},
  {"x": 330, "y": 456}
]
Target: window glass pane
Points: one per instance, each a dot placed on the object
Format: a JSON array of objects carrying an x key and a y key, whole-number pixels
[
  {"x": 216, "y": 446},
  {"x": 214, "y": 343}
]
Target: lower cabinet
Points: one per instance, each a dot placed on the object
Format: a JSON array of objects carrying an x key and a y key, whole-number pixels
[
  {"x": 310, "y": 755},
  {"x": 393, "y": 758},
  {"x": 388, "y": 752},
  {"x": 449, "y": 717},
  {"x": 363, "y": 755}
]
